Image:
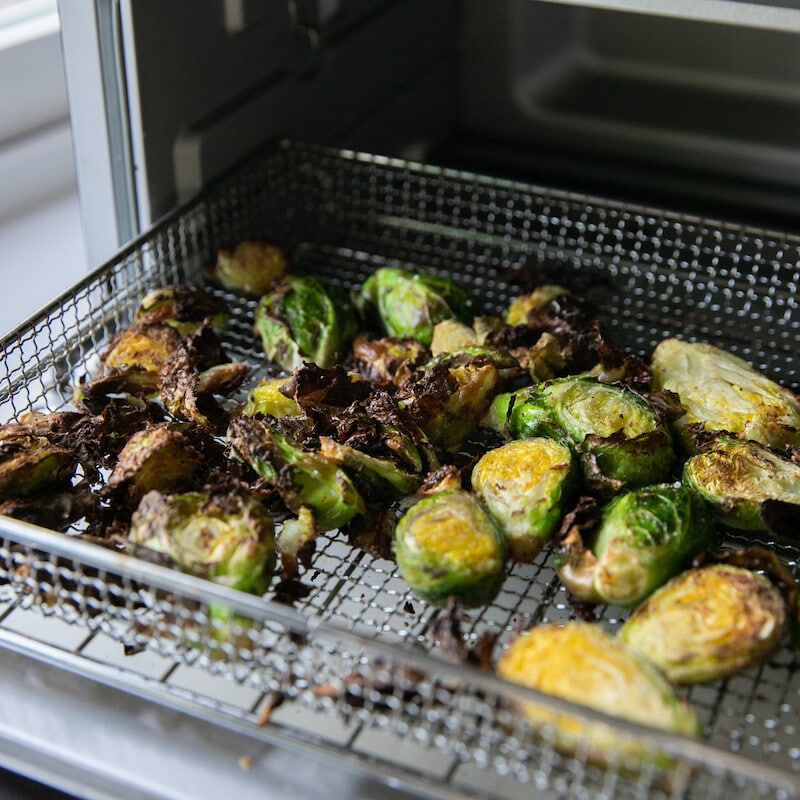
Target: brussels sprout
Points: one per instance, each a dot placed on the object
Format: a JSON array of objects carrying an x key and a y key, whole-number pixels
[
  {"x": 643, "y": 538},
  {"x": 581, "y": 663},
  {"x": 227, "y": 539},
  {"x": 302, "y": 478},
  {"x": 144, "y": 345},
  {"x": 408, "y": 303},
  {"x": 524, "y": 484},
  {"x": 737, "y": 476},
  {"x": 519, "y": 308},
  {"x": 156, "y": 458},
  {"x": 447, "y": 545},
  {"x": 721, "y": 392},
  {"x": 29, "y": 462},
  {"x": 622, "y": 440},
  {"x": 304, "y": 320},
  {"x": 182, "y": 307},
  {"x": 708, "y": 623},
  {"x": 252, "y": 267},
  {"x": 266, "y": 398},
  {"x": 451, "y": 394}
]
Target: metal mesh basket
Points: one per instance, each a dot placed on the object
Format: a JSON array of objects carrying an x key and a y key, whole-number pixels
[{"x": 351, "y": 669}]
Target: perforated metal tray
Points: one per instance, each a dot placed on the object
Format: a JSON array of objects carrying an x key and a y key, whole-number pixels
[{"x": 352, "y": 671}]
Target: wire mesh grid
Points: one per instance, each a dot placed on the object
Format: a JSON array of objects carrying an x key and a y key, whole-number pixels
[{"x": 365, "y": 662}]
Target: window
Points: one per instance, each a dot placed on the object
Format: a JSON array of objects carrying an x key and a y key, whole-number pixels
[{"x": 40, "y": 234}]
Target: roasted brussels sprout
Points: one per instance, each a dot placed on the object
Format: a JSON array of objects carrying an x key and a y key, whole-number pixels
[
  {"x": 182, "y": 307},
  {"x": 405, "y": 303},
  {"x": 302, "y": 478},
  {"x": 525, "y": 484},
  {"x": 144, "y": 345},
  {"x": 252, "y": 267},
  {"x": 266, "y": 398},
  {"x": 157, "y": 457},
  {"x": 295, "y": 539},
  {"x": 582, "y": 663},
  {"x": 721, "y": 392},
  {"x": 227, "y": 539},
  {"x": 304, "y": 320},
  {"x": 519, "y": 308},
  {"x": 30, "y": 462},
  {"x": 451, "y": 394},
  {"x": 642, "y": 539},
  {"x": 736, "y": 477},
  {"x": 447, "y": 545},
  {"x": 623, "y": 442},
  {"x": 708, "y": 623}
]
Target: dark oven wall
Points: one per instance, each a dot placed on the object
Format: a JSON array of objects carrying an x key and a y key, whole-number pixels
[{"x": 690, "y": 112}]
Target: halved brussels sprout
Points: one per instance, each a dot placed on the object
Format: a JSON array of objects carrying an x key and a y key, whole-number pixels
[
  {"x": 266, "y": 398},
  {"x": 182, "y": 307},
  {"x": 450, "y": 395},
  {"x": 227, "y": 539},
  {"x": 582, "y": 663},
  {"x": 29, "y": 462},
  {"x": 622, "y": 440},
  {"x": 447, "y": 545},
  {"x": 737, "y": 476},
  {"x": 519, "y": 308},
  {"x": 144, "y": 345},
  {"x": 708, "y": 623},
  {"x": 302, "y": 478},
  {"x": 157, "y": 457},
  {"x": 722, "y": 392},
  {"x": 405, "y": 303},
  {"x": 252, "y": 267},
  {"x": 643, "y": 538},
  {"x": 302, "y": 319},
  {"x": 525, "y": 484}
]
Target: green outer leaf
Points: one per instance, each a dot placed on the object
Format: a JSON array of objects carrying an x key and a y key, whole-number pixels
[
  {"x": 411, "y": 303},
  {"x": 644, "y": 537}
]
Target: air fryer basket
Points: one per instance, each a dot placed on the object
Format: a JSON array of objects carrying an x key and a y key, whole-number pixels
[{"x": 350, "y": 669}]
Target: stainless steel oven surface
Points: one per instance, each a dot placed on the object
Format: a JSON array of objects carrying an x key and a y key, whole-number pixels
[
  {"x": 642, "y": 152},
  {"x": 350, "y": 672}
]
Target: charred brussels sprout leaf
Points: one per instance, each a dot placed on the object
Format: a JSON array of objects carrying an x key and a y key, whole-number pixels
[
  {"x": 708, "y": 623},
  {"x": 736, "y": 477},
  {"x": 524, "y": 484},
  {"x": 447, "y": 545},
  {"x": 451, "y": 394},
  {"x": 252, "y": 267},
  {"x": 304, "y": 320},
  {"x": 29, "y": 462},
  {"x": 229, "y": 540},
  {"x": 643, "y": 538},
  {"x": 519, "y": 309},
  {"x": 622, "y": 440},
  {"x": 405, "y": 303},
  {"x": 721, "y": 392},
  {"x": 182, "y": 307},
  {"x": 582, "y": 663},
  {"x": 156, "y": 458},
  {"x": 302, "y": 478}
]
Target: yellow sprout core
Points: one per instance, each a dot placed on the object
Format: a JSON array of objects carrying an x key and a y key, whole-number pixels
[{"x": 451, "y": 534}]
